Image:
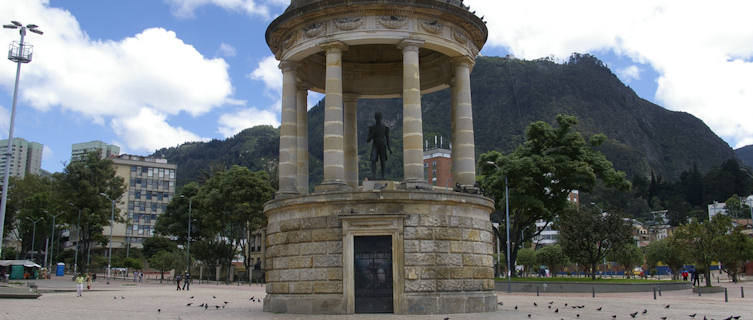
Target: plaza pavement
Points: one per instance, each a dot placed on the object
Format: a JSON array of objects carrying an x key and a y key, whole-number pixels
[{"x": 126, "y": 300}]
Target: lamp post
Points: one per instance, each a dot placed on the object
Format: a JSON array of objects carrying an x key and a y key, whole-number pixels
[
  {"x": 112, "y": 225},
  {"x": 507, "y": 223},
  {"x": 19, "y": 53},
  {"x": 52, "y": 241},
  {"x": 78, "y": 240},
  {"x": 602, "y": 212},
  {"x": 33, "y": 235},
  {"x": 188, "y": 236}
]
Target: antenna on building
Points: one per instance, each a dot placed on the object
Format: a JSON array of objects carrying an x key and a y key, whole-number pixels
[
  {"x": 435, "y": 142},
  {"x": 441, "y": 142}
]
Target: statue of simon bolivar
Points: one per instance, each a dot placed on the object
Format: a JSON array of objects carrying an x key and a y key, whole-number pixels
[{"x": 379, "y": 136}]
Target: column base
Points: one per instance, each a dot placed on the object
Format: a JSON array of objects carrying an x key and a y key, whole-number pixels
[
  {"x": 333, "y": 186},
  {"x": 415, "y": 185},
  {"x": 471, "y": 189}
]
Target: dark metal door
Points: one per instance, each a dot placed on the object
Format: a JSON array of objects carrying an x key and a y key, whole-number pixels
[{"x": 373, "y": 274}]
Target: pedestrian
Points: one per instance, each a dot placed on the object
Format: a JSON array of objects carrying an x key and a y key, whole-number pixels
[
  {"x": 141, "y": 277},
  {"x": 177, "y": 281},
  {"x": 684, "y": 275},
  {"x": 79, "y": 284},
  {"x": 94, "y": 277},
  {"x": 187, "y": 282},
  {"x": 88, "y": 281},
  {"x": 696, "y": 281}
]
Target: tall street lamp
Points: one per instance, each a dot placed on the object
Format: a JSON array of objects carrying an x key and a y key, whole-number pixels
[
  {"x": 507, "y": 222},
  {"x": 188, "y": 237},
  {"x": 33, "y": 235},
  {"x": 52, "y": 241},
  {"x": 78, "y": 240},
  {"x": 112, "y": 225},
  {"x": 18, "y": 53}
]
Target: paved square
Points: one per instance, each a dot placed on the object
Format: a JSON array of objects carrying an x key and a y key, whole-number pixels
[{"x": 124, "y": 300}]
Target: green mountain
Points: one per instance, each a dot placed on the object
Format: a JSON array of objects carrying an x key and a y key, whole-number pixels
[
  {"x": 745, "y": 154},
  {"x": 508, "y": 94}
]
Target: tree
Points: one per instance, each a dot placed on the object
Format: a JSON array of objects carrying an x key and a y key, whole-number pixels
[
  {"x": 669, "y": 251},
  {"x": 174, "y": 222},
  {"x": 701, "y": 240},
  {"x": 527, "y": 258},
  {"x": 166, "y": 260},
  {"x": 551, "y": 163},
  {"x": 588, "y": 236},
  {"x": 79, "y": 186},
  {"x": 553, "y": 257},
  {"x": 733, "y": 249},
  {"x": 156, "y": 244},
  {"x": 627, "y": 256},
  {"x": 736, "y": 207}
]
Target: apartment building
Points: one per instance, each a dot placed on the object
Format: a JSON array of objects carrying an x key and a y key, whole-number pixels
[
  {"x": 26, "y": 157},
  {"x": 79, "y": 150},
  {"x": 438, "y": 164}
]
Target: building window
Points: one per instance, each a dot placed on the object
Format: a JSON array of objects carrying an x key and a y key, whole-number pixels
[{"x": 151, "y": 172}]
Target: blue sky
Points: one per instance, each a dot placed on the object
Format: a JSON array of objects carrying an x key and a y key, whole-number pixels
[{"x": 145, "y": 74}]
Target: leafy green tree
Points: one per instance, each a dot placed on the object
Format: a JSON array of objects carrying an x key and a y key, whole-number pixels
[
  {"x": 669, "y": 251},
  {"x": 588, "y": 236},
  {"x": 627, "y": 256},
  {"x": 553, "y": 257},
  {"x": 551, "y": 163},
  {"x": 167, "y": 260},
  {"x": 733, "y": 249},
  {"x": 79, "y": 187},
  {"x": 174, "y": 222},
  {"x": 701, "y": 240},
  {"x": 156, "y": 244},
  {"x": 527, "y": 258},
  {"x": 736, "y": 207}
]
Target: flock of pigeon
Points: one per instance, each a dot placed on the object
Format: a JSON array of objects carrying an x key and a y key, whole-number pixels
[
  {"x": 556, "y": 309},
  {"x": 206, "y": 305}
]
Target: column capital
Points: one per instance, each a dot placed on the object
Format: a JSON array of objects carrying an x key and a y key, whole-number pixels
[
  {"x": 463, "y": 60},
  {"x": 287, "y": 65},
  {"x": 410, "y": 44},
  {"x": 334, "y": 46},
  {"x": 350, "y": 97}
]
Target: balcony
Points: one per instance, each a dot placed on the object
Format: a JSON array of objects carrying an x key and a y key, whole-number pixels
[{"x": 20, "y": 53}]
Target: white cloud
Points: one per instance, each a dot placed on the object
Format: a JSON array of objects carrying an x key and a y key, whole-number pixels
[
  {"x": 186, "y": 8},
  {"x": 104, "y": 79},
  {"x": 629, "y": 73},
  {"x": 149, "y": 130},
  {"x": 701, "y": 51},
  {"x": 227, "y": 50},
  {"x": 47, "y": 153},
  {"x": 232, "y": 123},
  {"x": 4, "y": 122},
  {"x": 267, "y": 70}
]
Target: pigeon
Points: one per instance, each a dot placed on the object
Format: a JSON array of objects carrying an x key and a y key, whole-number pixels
[
  {"x": 728, "y": 318},
  {"x": 122, "y": 297},
  {"x": 644, "y": 311},
  {"x": 501, "y": 303},
  {"x": 557, "y": 310},
  {"x": 663, "y": 318},
  {"x": 614, "y": 316},
  {"x": 252, "y": 298},
  {"x": 213, "y": 297},
  {"x": 448, "y": 318},
  {"x": 114, "y": 298},
  {"x": 529, "y": 315},
  {"x": 549, "y": 307},
  {"x": 189, "y": 304},
  {"x": 565, "y": 304},
  {"x": 736, "y": 317},
  {"x": 159, "y": 310},
  {"x": 692, "y": 315},
  {"x": 534, "y": 304},
  {"x": 217, "y": 307},
  {"x": 666, "y": 307},
  {"x": 577, "y": 315},
  {"x": 550, "y": 302},
  {"x": 516, "y": 307},
  {"x": 599, "y": 308},
  {"x": 191, "y": 297},
  {"x": 632, "y": 315},
  {"x": 225, "y": 302}
]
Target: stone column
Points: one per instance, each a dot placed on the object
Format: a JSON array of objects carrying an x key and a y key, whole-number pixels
[
  {"x": 334, "y": 156},
  {"x": 303, "y": 141},
  {"x": 463, "y": 148},
  {"x": 413, "y": 167},
  {"x": 351, "y": 140},
  {"x": 288, "y": 170}
]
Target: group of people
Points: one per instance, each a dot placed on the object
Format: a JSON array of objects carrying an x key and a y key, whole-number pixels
[
  {"x": 694, "y": 276},
  {"x": 185, "y": 278},
  {"x": 88, "y": 278}
]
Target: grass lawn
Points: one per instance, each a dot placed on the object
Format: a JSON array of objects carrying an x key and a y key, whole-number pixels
[{"x": 586, "y": 280}]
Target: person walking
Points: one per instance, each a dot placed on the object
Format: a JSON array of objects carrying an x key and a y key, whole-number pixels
[
  {"x": 696, "y": 281},
  {"x": 79, "y": 284},
  {"x": 88, "y": 281},
  {"x": 177, "y": 281},
  {"x": 187, "y": 281}
]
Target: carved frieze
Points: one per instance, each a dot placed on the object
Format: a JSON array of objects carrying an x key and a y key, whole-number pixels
[
  {"x": 314, "y": 30},
  {"x": 291, "y": 39},
  {"x": 346, "y": 24},
  {"x": 431, "y": 26},
  {"x": 459, "y": 36},
  {"x": 392, "y": 22}
]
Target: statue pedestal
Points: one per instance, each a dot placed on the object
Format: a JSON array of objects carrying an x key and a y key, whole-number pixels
[{"x": 379, "y": 185}]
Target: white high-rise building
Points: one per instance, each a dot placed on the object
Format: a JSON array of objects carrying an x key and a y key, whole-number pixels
[
  {"x": 79, "y": 150},
  {"x": 26, "y": 157}
]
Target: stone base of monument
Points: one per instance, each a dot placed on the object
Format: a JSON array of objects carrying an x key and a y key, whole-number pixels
[{"x": 392, "y": 251}]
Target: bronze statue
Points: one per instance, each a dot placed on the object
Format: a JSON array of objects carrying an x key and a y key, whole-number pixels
[{"x": 379, "y": 136}]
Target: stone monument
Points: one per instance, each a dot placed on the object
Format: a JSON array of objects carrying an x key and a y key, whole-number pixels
[{"x": 396, "y": 247}]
